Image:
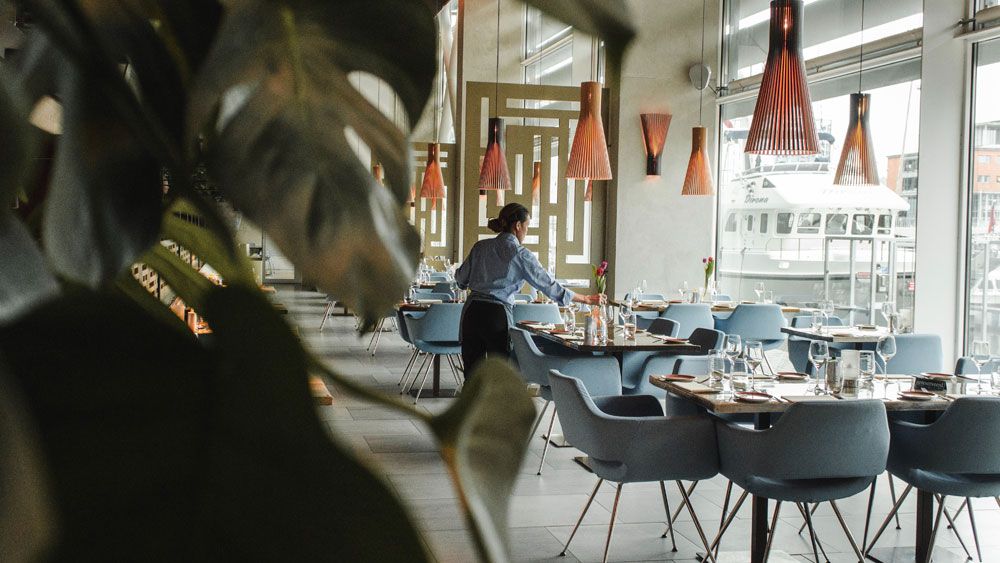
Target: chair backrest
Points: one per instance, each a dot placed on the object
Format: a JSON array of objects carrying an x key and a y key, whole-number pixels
[
  {"x": 541, "y": 312},
  {"x": 439, "y": 277},
  {"x": 824, "y": 440},
  {"x": 576, "y": 412},
  {"x": 805, "y": 321},
  {"x": 401, "y": 321},
  {"x": 647, "y": 296},
  {"x": 522, "y": 298},
  {"x": 757, "y": 321},
  {"x": 723, "y": 297},
  {"x": 439, "y": 324},
  {"x": 527, "y": 356},
  {"x": 965, "y": 366},
  {"x": 664, "y": 327},
  {"x": 433, "y": 295},
  {"x": 690, "y": 316},
  {"x": 707, "y": 338},
  {"x": 442, "y": 287},
  {"x": 916, "y": 353},
  {"x": 965, "y": 439},
  {"x": 600, "y": 375}
]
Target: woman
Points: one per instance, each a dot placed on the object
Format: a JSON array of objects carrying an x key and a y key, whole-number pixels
[{"x": 493, "y": 272}]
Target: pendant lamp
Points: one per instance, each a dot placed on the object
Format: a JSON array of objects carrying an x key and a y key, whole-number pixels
[
  {"x": 857, "y": 159},
  {"x": 654, "y": 135},
  {"x": 783, "y": 118},
  {"x": 501, "y": 199},
  {"x": 378, "y": 173},
  {"x": 698, "y": 180},
  {"x": 433, "y": 185},
  {"x": 412, "y": 200},
  {"x": 588, "y": 193},
  {"x": 536, "y": 183},
  {"x": 493, "y": 174},
  {"x": 588, "y": 158}
]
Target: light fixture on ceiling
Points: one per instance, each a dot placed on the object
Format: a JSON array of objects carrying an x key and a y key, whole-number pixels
[
  {"x": 654, "y": 136},
  {"x": 588, "y": 157},
  {"x": 432, "y": 187},
  {"x": 493, "y": 174},
  {"x": 536, "y": 182},
  {"x": 698, "y": 178},
  {"x": 857, "y": 158},
  {"x": 782, "y": 118}
]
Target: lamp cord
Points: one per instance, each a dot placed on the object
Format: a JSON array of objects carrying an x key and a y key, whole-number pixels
[
  {"x": 861, "y": 55},
  {"x": 701, "y": 91},
  {"x": 497, "y": 82}
]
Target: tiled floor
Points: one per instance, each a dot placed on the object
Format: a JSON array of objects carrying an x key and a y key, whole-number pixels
[{"x": 544, "y": 508}]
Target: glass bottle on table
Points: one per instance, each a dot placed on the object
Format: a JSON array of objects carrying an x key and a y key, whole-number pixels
[
  {"x": 819, "y": 353},
  {"x": 602, "y": 324}
]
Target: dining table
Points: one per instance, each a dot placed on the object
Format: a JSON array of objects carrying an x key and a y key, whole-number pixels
[
  {"x": 719, "y": 308},
  {"x": 858, "y": 336},
  {"x": 722, "y": 400}
]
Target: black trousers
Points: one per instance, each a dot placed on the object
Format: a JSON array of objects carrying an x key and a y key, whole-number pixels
[{"x": 484, "y": 334}]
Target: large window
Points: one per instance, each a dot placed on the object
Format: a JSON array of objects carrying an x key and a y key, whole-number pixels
[
  {"x": 851, "y": 245},
  {"x": 983, "y": 267}
]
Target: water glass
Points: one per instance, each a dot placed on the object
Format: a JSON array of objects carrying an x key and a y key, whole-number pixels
[
  {"x": 754, "y": 353},
  {"x": 995, "y": 380},
  {"x": 759, "y": 291},
  {"x": 716, "y": 367},
  {"x": 695, "y": 296},
  {"x": 817, "y": 322},
  {"x": 867, "y": 367},
  {"x": 740, "y": 374},
  {"x": 834, "y": 376},
  {"x": 769, "y": 296},
  {"x": 733, "y": 346},
  {"x": 569, "y": 319},
  {"x": 628, "y": 323}
]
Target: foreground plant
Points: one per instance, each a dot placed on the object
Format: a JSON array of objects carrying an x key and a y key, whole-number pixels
[{"x": 120, "y": 432}]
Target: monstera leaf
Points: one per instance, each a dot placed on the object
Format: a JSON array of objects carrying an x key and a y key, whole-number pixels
[{"x": 280, "y": 151}]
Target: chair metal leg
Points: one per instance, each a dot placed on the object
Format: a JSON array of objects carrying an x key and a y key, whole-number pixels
[
  {"x": 423, "y": 380},
  {"x": 813, "y": 511},
  {"x": 768, "y": 362},
  {"x": 548, "y": 435},
  {"x": 725, "y": 503},
  {"x": 975, "y": 533},
  {"x": 885, "y": 524},
  {"x": 937, "y": 524},
  {"x": 774, "y": 528},
  {"x": 670, "y": 522},
  {"x": 538, "y": 420},
  {"x": 868, "y": 514},
  {"x": 697, "y": 524},
  {"x": 409, "y": 364},
  {"x": 326, "y": 314},
  {"x": 423, "y": 366},
  {"x": 611, "y": 526},
  {"x": 683, "y": 502},
  {"x": 729, "y": 520},
  {"x": 586, "y": 507},
  {"x": 951, "y": 525},
  {"x": 847, "y": 531},
  {"x": 892, "y": 493},
  {"x": 804, "y": 510}
]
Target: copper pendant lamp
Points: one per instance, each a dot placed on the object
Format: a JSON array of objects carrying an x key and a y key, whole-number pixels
[
  {"x": 857, "y": 158},
  {"x": 654, "y": 135},
  {"x": 536, "y": 183},
  {"x": 698, "y": 180},
  {"x": 378, "y": 173},
  {"x": 588, "y": 157},
  {"x": 433, "y": 185},
  {"x": 783, "y": 119},
  {"x": 493, "y": 174},
  {"x": 588, "y": 192},
  {"x": 412, "y": 200}
]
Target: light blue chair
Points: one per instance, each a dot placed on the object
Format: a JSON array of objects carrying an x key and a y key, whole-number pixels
[
  {"x": 598, "y": 374},
  {"x": 915, "y": 353},
  {"x": 965, "y": 366},
  {"x": 798, "y": 347},
  {"x": 522, "y": 298},
  {"x": 405, "y": 335},
  {"x": 723, "y": 297},
  {"x": 633, "y": 362},
  {"x": 816, "y": 452},
  {"x": 540, "y": 312},
  {"x": 758, "y": 321},
  {"x": 636, "y": 381},
  {"x": 629, "y": 440},
  {"x": 438, "y": 277},
  {"x": 443, "y": 287},
  {"x": 957, "y": 455},
  {"x": 690, "y": 316},
  {"x": 436, "y": 333},
  {"x": 647, "y": 297},
  {"x": 434, "y": 295}
]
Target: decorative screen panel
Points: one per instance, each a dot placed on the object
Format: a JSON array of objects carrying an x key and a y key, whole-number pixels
[
  {"x": 566, "y": 232},
  {"x": 436, "y": 223}
]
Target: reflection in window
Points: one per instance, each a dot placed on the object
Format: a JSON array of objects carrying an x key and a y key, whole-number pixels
[
  {"x": 863, "y": 224},
  {"x": 748, "y": 222},
  {"x": 884, "y": 224},
  {"x": 731, "y": 223},
  {"x": 763, "y": 223},
  {"x": 836, "y": 224},
  {"x": 785, "y": 223},
  {"x": 809, "y": 223}
]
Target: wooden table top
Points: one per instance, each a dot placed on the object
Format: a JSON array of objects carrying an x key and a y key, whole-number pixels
[
  {"x": 837, "y": 334},
  {"x": 785, "y": 395},
  {"x": 644, "y": 342},
  {"x": 721, "y": 307}
]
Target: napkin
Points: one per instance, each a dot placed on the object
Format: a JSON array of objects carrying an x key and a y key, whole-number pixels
[
  {"x": 807, "y": 398},
  {"x": 429, "y": 301}
]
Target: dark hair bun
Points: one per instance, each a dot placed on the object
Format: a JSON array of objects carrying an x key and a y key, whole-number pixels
[{"x": 495, "y": 225}]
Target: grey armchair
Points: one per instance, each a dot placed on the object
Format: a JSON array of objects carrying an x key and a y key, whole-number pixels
[
  {"x": 629, "y": 440},
  {"x": 599, "y": 374},
  {"x": 816, "y": 452}
]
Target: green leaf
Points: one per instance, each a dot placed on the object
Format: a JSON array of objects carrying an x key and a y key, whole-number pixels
[
  {"x": 296, "y": 495},
  {"x": 26, "y": 513},
  {"x": 606, "y": 19},
  {"x": 131, "y": 288},
  {"x": 25, "y": 281},
  {"x": 484, "y": 437},
  {"x": 104, "y": 203},
  {"x": 214, "y": 246},
  {"x": 190, "y": 285}
]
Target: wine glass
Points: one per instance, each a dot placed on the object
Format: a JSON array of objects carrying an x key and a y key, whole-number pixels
[
  {"x": 643, "y": 286},
  {"x": 683, "y": 290},
  {"x": 980, "y": 357},
  {"x": 628, "y": 323},
  {"x": 733, "y": 346},
  {"x": 754, "y": 352},
  {"x": 819, "y": 353},
  {"x": 759, "y": 291},
  {"x": 886, "y": 349},
  {"x": 828, "y": 309}
]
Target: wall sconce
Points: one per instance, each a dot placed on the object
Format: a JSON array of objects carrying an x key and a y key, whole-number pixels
[{"x": 654, "y": 136}]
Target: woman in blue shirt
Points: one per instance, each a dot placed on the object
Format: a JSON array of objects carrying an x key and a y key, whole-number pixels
[{"x": 494, "y": 271}]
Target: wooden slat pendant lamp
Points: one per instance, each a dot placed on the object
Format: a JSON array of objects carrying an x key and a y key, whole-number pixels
[
  {"x": 433, "y": 185},
  {"x": 536, "y": 183},
  {"x": 857, "y": 158},
  {"x": 493, "y": 174},
  {"x": 698, "y": 178},
  {"x": 783, "y": 118},
  {"x": 588, "y": 158}
]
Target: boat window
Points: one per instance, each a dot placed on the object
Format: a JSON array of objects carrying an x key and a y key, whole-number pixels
[
  {"x": 748, "y": 223},
  {"x": 836, "y": 224},
  {"x": 809, "y": 223},
  {"x": 785, "y": 222},
  {"x": 884, "y": 224},
  {"x": 731, "y": 223},
  {"x": 863, "y": 224},
  {"x": 763, "y": 222}
]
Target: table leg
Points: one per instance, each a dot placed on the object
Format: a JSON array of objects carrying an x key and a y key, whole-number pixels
[
  {"x": 758, "y": 525},
  {"x": 437, "y": 375},
  {"x": 925, "y": 521}
]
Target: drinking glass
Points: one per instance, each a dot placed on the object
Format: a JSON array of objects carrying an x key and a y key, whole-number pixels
[
  {"x": 817, "y": 322},
  {"x": 867, "y": 366},
  {"x": 716, "y": 367},
  {"x": 995, "y": 380},
  {"x": 643, "y": 286},
  {"x": 980, "y": 357},
  {"x": 759, "y": 291},
  {"x": 740, "y": 375},
  {"x": 834, "y": 377},
  {"x": 733, "y": 346},
  {"x": 886, "y": 349},
  {"x": 754, "y": 354},
  {"x": 769, "y": 296},
  {"x": 683, "y": 290},
  {"x": 569, "y": 319},
  {"x": 828, "y": 310},
  {"x": 819, "y": 353},
  {"x": 628, "y": 323}
]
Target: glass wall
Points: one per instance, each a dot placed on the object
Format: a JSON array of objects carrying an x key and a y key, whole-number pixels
[
  {"x": 782, "y": 221},
  {"x": 548, "y": 44},
  {"x": 983, "y": 255}
]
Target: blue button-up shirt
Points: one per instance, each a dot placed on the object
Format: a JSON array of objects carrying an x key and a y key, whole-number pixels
[{"x": 497, "y": 268}]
